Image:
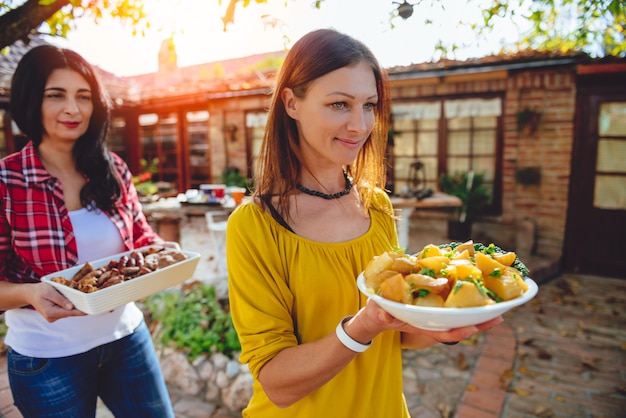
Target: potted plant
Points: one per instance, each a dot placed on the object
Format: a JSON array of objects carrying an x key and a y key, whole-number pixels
[
  {"x": 528, "y": 120},
  {"x": 232, "y": 176},
  {"x": 474, "y": 194}
]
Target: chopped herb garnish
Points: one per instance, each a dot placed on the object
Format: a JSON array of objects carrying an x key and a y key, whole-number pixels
[
  {"x": 457, "y": 286},
  {"x": 427, "y": 272},
  {"x": 493, "y": 296},
  {"x": 495, "y": 273}
]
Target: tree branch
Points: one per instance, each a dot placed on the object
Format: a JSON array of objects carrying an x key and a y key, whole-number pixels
[{"x": 22, "y": 21}]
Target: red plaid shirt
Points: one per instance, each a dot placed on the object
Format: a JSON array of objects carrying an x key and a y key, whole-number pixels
[{"x": 36, "y": 235}]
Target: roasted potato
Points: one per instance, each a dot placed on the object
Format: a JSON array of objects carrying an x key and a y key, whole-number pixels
[{"x": 451, "y": 275}]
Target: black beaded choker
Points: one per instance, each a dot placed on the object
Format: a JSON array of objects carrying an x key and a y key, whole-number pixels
[{"x": 325, "y": 195}]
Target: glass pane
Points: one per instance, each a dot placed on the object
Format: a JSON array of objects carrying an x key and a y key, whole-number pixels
[
  {"x": 148, "y": 138},
  {"x": 200, "y": 116},
  {"x": 486, "y": 166},
  {"x": 610, "y": 192},
  {"x": 427, "y": 143},
  {"x": 257, "y": 141},
  {"x": 148, "y": 119},
  {"x": 484, "y": 142},
  {"x": 403, "y": 125},
  {"x": 118, "y": 122},
  {"x": 485, "y": 122},
  {"x": 401, "y": 168},
  {"x": 428, "y": 124},
  {"x": 403, "y": 145},
  {"x": 612, "y": 119},
  {"x": 459, "y": 123},
  {"x": 168, "y": 137},
  {"x": 256, "y": 119},
  {"x": 456, "y": 165},
  {"x": 169, "y": 119},
  {"x": 198, "y": 140},
  {"x": 611, "y": 156},
  {"x": 430, "y": 168},
  {"x": 458, "y": 143},
  {"x": 170, "y": 178},
  {"x": 401, "y": 186},
  {"x": 170, "y": 161},
  {"x": 197, "y": 158}
]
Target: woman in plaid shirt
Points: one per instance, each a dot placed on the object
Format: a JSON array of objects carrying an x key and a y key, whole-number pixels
[{"x": 66, "y": 200}]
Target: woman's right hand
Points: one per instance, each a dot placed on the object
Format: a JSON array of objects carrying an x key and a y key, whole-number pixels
[{"x": 51, "y": 304}]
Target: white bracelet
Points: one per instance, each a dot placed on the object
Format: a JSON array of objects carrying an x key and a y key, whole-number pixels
[{"x": 347, "y": 340}]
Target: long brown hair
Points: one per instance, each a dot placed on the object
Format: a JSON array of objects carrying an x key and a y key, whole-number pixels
[{"x": 314, "y": 55}]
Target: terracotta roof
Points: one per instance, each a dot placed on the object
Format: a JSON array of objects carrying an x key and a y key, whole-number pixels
[
  {"x": 504, "y": 60},
  {"x": 246, "y": 74},
  {"x": 9, "y": 62}
]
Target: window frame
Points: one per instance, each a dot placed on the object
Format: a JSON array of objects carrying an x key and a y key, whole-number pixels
[{"x": 495, "y": 206}]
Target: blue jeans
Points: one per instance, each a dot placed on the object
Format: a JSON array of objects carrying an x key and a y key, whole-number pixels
[{"x": 125, "y": 374}]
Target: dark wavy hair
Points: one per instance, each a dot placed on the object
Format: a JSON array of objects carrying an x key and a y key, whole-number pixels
[
  {"x": 312, "y": 56},
  {"x": 90, "y": 151}
]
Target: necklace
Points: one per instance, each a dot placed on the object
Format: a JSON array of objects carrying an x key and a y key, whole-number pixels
[{"x": 326, "y": 195}]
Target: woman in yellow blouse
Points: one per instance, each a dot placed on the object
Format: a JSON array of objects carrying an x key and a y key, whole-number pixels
[{"x": 315, "y": 346}]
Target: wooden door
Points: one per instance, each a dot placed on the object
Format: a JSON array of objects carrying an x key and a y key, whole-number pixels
[{"x": 596, "y": 227}]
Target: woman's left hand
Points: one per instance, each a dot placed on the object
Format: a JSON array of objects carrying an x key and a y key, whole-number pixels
[
  {"x": 413, "y": 337},
  {"x": 420, "y": 338}
]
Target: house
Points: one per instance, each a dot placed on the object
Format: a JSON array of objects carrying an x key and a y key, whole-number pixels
[{"x": 547, "y": 130}]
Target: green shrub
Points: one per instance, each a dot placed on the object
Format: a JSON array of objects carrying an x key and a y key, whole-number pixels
[
  {"x": 475, "y": 195},
  {"x": 232, "y": 176},
  {"x": 193, "y": 320},
  {"x": 3, "y": 333}
]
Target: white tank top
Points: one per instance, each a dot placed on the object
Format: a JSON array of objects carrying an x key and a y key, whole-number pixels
[{"x": 31, "y": 335}]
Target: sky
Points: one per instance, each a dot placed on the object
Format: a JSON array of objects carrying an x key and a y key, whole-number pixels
[{"x": 197, "y": 29}]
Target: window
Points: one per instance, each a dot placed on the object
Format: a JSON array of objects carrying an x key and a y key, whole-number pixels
[
  {"x": 199, "y": 150},
  {"x": 255, "y": 127},
  {"x": 116, "y": 139},
  {"x": 447, "y": 136},
  {"x": 610, "y": 176},
  {"x": 158, "y": 139},
  {"x": 416, "y": 138}
]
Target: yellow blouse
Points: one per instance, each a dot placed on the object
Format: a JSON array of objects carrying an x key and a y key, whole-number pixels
[{"x": 286, "y": 290}]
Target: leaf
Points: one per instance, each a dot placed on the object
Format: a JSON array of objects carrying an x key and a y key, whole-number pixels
[
  {"x": 590, "y": 363},
  {"x": 445, "y": 410},
  {"x": 543, "y": 354},
  {"x": 505, "y": 378},
  {"x": 524, "y": 370},
  {"x": 461, "y": 362},
  {"x": 542, "y": 411}
]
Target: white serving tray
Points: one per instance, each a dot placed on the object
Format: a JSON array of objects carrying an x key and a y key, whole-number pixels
[{"x": 112, "y": 297}]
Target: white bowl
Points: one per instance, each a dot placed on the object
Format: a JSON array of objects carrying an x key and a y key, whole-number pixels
[
  {"x": 107, "y": 299},
  {"x": 443, "y": 319}
]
